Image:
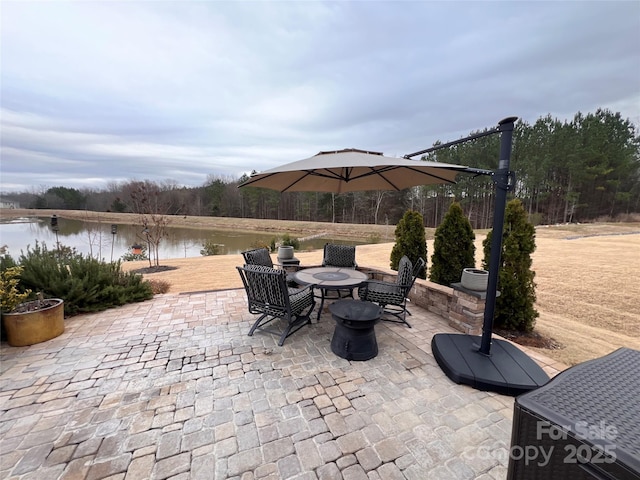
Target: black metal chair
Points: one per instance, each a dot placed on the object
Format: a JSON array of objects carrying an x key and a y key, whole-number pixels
[
  {"x": 343, "y": 256},
  {"x": 269, "y": 296},
  {"x": 340, "y": 256},
  {"x": 258, "y": 256},
  {"x": 392, "y": 296}
]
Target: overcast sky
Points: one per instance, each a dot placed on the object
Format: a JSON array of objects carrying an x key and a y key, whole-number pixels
[{"x": 99, "y": 92}]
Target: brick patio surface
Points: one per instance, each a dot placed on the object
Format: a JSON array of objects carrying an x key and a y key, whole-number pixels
[{"x": 174, "y": 388}]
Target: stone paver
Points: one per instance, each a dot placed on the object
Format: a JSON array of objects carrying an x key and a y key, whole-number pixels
[{"x": 174, "y": 388}]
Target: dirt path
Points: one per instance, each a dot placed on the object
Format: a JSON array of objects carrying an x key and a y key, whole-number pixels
[{"x": 587, "y": 276}]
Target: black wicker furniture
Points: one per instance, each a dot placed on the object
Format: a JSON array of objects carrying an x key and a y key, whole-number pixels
[
  {"x": 269, "y": 296},
  {"x": 258, "y": 256},
  {"x": 340, "y": 256},
  {"x": 392, "y": 296},
  {"x": 343, "y": 256},
  {"x": 583, "y": 424}
]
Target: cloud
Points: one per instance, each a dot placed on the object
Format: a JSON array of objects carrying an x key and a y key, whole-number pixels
[{"x": 96, "y": 92}]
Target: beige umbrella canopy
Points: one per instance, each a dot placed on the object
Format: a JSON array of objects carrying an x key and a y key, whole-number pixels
[{"x": 352, "y": 170}]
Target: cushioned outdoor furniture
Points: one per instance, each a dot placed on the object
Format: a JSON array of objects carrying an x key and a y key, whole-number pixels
[
  {"x": 392, "y": 296},
  {"x": 269, "y": 296}
]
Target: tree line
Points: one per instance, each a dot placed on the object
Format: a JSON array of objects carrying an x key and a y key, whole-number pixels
[{"x": 580, "y": 170}]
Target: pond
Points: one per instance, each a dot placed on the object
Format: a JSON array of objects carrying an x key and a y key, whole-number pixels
[{"x": 96, "y": 239}]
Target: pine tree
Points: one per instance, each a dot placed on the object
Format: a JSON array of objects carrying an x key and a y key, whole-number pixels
[
  {"x": 453, "y": 247},
  {"x": 410, "y": 240},
  {"x": 515, "y": 305}
]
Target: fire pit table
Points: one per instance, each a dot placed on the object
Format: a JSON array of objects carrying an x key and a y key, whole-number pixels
[
  {"x": 354, "y": 337},
  {"x": 329, "y": 278}
]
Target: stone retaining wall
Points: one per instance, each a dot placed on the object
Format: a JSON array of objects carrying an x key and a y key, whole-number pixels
[{"x": 463, "y": 310}]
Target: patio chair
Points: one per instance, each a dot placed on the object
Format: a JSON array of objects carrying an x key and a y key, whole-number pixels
[
  {"x": 258, "y": 256},
  {"x": 341, "y": 256},
  {"x": 269, "y": 296},
  {"x": 392, "y": 296}
]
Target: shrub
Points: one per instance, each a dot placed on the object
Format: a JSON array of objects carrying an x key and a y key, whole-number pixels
[
  {"x": 262, "y": 244},
  {"x": 515, "y": 305},
  {"x": 159, "y": 286},
  {"x": 210, "y": 248},
  {"x": 453, "y": 247},
  {"x": 10, "y": 294},
  {"x": 285, "y": 241},
  {"x": 288, "y": 241},
  {"x": 410, "y": 240},
  {"x": 132, "y": 257},
  {"x": 83, "y": 282}
]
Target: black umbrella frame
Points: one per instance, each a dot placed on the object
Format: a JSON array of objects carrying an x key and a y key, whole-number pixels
[{"x": 468, "y": 359}]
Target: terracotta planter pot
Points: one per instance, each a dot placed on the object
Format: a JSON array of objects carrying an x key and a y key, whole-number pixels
[
  {"x": 28, "y": 328},
  {"x": 474, "y": 279}
]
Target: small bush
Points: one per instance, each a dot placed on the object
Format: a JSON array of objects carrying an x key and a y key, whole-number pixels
[
  {"x": 159, "y": 286},
  {"x": 453, "y": 248},
  {"x": 210, "y": 248},
  {"x": 285, "y": 241},
  {"x": 262, "y": 244},
  {"x": 132, "y": 257},
  {"x": 288, "y": 241},
  {"x": 10, "y": 294},
  {"x": 410, "y": 240}
]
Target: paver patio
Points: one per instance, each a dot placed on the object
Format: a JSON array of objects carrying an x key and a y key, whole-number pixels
[{"x": 174, "y": 388}]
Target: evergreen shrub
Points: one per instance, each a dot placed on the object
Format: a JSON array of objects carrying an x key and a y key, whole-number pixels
[
  {"x": 83, "y": 282},
  {"x": 410, "y": 240},
  {"x": 515, "y": 305},
  {"x": 453, "y": 247},
  {"x": 210, "y": 247}
]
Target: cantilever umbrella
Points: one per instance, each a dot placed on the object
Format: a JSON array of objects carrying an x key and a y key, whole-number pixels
[
  {"x": 464, "y": 358},
  {"x": 352, "y": 170}
]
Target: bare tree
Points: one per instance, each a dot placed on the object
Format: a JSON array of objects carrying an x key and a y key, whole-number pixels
[{"x": 153, "y": 205}]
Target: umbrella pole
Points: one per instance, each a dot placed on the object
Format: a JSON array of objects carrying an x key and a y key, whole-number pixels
[
  {"x": 506, "y": 370},
  {"x": 503, "y": 179}
]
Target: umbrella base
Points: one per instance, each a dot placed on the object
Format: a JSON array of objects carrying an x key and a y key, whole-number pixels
[{"x": 507, "y": 370}]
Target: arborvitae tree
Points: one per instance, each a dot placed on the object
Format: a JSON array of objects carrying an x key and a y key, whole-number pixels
[
  {"x": 453, "y": 247},
  {"x": 410, "y": 240},
  {"x": 515, "y": 305}
]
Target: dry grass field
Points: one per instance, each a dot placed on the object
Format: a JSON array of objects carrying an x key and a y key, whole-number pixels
[{"x": 587, "y": 276}]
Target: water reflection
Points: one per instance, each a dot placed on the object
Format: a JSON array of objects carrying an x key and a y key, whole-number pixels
[{"x": 96, "y": 239}]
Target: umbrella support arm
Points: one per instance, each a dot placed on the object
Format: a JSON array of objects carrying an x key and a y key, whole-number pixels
[{"x": 461, "y": 140}]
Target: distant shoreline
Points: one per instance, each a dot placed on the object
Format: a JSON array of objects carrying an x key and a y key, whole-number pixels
[{"x": 294, "y": 228}]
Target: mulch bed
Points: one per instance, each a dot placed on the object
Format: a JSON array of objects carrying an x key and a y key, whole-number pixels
[
  {"x": 529, "y": 339},
  {"x": 160, "y": 268}
]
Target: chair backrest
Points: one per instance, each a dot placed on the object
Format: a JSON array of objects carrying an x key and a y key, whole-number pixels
[
  {"x": 407, "y": 272},
  {"x": 339, "y": 256},
  {"x": 266, "y": 288},
  {"x": 258, "y": 256}
]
